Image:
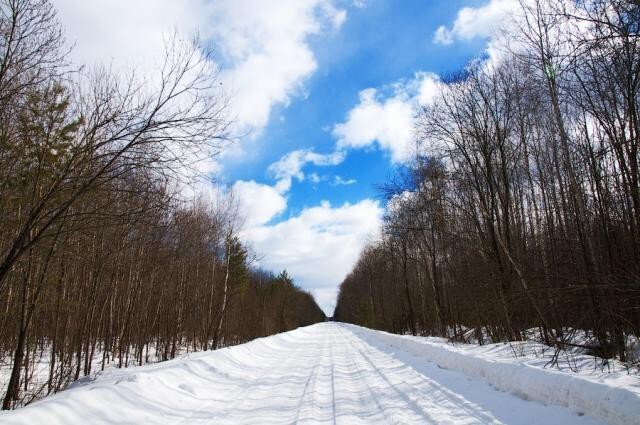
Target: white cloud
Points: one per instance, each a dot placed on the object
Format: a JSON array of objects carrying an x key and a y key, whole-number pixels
[
  {"x": 339, "y": 181},
  {"x": 472, "y": 22},
  {"x": 443, "y": 35},
  {"x": 315, "y": 178},
  {"x": 132, "y": 36},
  {"x": 429, "y": 88},
  {"x": 387, "y": 121},
  {"x": 259, "y": 203},
  {"x": 319, "y": 246},
  {"x": 122, "y": 32},
  {"x": 290, "y": 166},
  {"x": 502, "y": 22},
  {"x": 267, "y": 47},
  {"x": 264, "y": 44}
]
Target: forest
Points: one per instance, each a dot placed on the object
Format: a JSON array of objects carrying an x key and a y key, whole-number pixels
[
  {"x": 102, "y": 260},
  {"x": 519, "y": 216}
]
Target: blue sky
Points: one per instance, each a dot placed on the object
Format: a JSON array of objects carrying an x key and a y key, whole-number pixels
[
  {"x": 323, "y": 93},
  {"x": 380, "y": 43}
]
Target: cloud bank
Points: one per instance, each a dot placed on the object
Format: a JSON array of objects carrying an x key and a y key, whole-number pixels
[{"x": 319, "y": 246}]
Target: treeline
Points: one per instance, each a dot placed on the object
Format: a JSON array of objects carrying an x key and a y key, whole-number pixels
[
  {"x": 100, "y": 260},
  {"x": 522, "y": 207}
]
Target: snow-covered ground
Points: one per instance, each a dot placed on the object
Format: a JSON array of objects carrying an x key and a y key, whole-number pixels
[
  {"x": 39, "y": 365},
  {"x": 343, "y": 374}
]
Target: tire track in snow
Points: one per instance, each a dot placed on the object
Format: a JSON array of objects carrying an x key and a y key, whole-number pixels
[
  {"x": 349, "y": 338},
  {"x": 455, "y": 400},
  {"x": 333, "y": 380},
  {"x": 357, "y": 382},
  {"x": 310, "y": 385}
]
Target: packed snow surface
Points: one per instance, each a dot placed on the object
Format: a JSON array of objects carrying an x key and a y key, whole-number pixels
[{"x": 333, "y": 373}]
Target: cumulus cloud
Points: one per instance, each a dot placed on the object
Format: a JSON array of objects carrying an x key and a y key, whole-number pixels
[
  {"x": 319, "y": 246},
  {"x": 290, "y": 166},
  {"x": 258, "y": 203},
  {"x": 477, "y": 22},
  {"x": 266, "y": 45},
  {"x": 387, "y": 121}
]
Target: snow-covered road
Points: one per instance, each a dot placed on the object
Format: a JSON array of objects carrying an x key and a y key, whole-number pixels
[{"x": 326, "y": 373}]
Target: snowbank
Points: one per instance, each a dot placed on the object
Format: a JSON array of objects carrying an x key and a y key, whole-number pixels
[{"x": 613, "y": 397}]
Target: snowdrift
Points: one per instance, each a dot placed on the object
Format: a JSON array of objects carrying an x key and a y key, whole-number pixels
[{"x": 613, "y": 397}]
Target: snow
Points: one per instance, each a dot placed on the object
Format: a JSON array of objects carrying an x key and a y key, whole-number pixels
[
  {"x": 342, "y": 374},
  {"x": 521, "y": 369},
  {"x": 39, "y": 365}
]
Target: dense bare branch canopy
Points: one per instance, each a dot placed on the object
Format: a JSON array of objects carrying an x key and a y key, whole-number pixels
[{"x": 521, "y": 215}]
